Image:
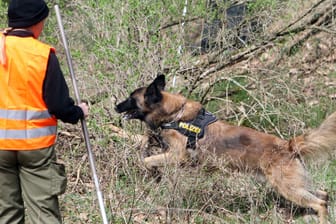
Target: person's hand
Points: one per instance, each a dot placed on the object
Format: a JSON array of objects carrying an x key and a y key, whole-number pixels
[{"x": 85, "y": 109}]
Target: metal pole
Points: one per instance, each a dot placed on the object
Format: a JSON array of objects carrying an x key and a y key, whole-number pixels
[{"x": 84, "y": 127}]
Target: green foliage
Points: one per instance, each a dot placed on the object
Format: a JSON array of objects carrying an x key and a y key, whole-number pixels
[
  {"x": 260, "y": 5},
  {"x": 3, "y": 12},
  {"x": 118, "y": 46},
  {"x": 232, "y": 88}
]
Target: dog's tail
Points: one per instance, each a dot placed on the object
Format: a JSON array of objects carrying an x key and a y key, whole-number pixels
[{"x": 317, "y": 142}]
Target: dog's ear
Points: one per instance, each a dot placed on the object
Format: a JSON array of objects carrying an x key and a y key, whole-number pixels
[
  {"x": 153, "y": 92},
  {"x": 160, "y": 81}
]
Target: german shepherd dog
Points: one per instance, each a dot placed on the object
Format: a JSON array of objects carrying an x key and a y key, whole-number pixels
[{"x": 278, "y": 160}]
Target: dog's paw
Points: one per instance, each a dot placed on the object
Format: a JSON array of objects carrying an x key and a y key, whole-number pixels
[{"x": 310, "y": 219}]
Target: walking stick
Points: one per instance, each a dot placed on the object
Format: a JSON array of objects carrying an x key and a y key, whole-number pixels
[{"x": 84, "y": 127}]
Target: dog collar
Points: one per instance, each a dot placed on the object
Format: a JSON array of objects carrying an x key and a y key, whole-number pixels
[{"x": 193, "y": 129}]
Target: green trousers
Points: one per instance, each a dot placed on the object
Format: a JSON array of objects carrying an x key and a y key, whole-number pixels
[{"x": 30, "y": 182}]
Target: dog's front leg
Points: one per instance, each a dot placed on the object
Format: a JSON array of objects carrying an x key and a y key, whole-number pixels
[
  {"x": 160, "y": 160},
  {"x": 175, "y": 154}
]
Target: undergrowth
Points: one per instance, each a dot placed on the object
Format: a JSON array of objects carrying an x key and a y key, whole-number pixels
[{"x": 118, "y": 46}]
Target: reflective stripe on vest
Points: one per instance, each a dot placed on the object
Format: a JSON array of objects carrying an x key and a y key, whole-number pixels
[
  {"x": 26, "y": 134},
  {"x": 25, "y": 123},
  {"x": 25, "y": 115}
]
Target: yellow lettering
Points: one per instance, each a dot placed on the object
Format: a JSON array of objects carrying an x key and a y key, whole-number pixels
[{"x": 190, "y": 127}]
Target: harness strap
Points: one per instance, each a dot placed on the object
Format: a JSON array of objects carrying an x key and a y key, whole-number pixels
[{"x": 193, "y": 129}]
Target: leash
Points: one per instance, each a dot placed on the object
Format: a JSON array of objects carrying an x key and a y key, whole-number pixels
[{"x": 84, "y": 127}]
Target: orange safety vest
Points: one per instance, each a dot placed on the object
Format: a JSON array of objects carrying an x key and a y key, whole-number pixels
[{"x": 25, "y": 123}]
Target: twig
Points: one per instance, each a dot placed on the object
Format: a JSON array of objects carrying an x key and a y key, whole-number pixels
[
  {"x": 157, "y": 210},
  {"x": 326, "y": 30},
  {"x": 301, "y": 17}
]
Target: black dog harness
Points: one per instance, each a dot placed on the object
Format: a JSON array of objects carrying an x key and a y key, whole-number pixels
[{"x": 192, "y": 129}]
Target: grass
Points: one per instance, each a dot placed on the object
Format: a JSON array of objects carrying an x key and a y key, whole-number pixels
[{"x": 118, "y": 46}]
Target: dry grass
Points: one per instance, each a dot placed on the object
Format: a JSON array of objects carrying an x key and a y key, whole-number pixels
[
  {"x": 270, "y": 93},
  {"x": 115, "y": 50}
]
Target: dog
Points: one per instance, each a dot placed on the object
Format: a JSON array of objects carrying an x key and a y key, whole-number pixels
[{"x": 172, "y": 118}]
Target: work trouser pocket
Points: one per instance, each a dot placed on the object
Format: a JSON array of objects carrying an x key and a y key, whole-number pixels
[{"x": 58, "y": 178}]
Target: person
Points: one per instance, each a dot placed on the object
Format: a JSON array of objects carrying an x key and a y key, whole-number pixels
[{"x": 34, "y": 96}]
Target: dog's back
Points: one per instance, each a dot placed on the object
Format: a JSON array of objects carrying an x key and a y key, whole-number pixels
[{"x": 241, "y": 147}]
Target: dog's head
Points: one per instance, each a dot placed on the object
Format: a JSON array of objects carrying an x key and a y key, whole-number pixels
[{"x": 142, "y": 101}]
